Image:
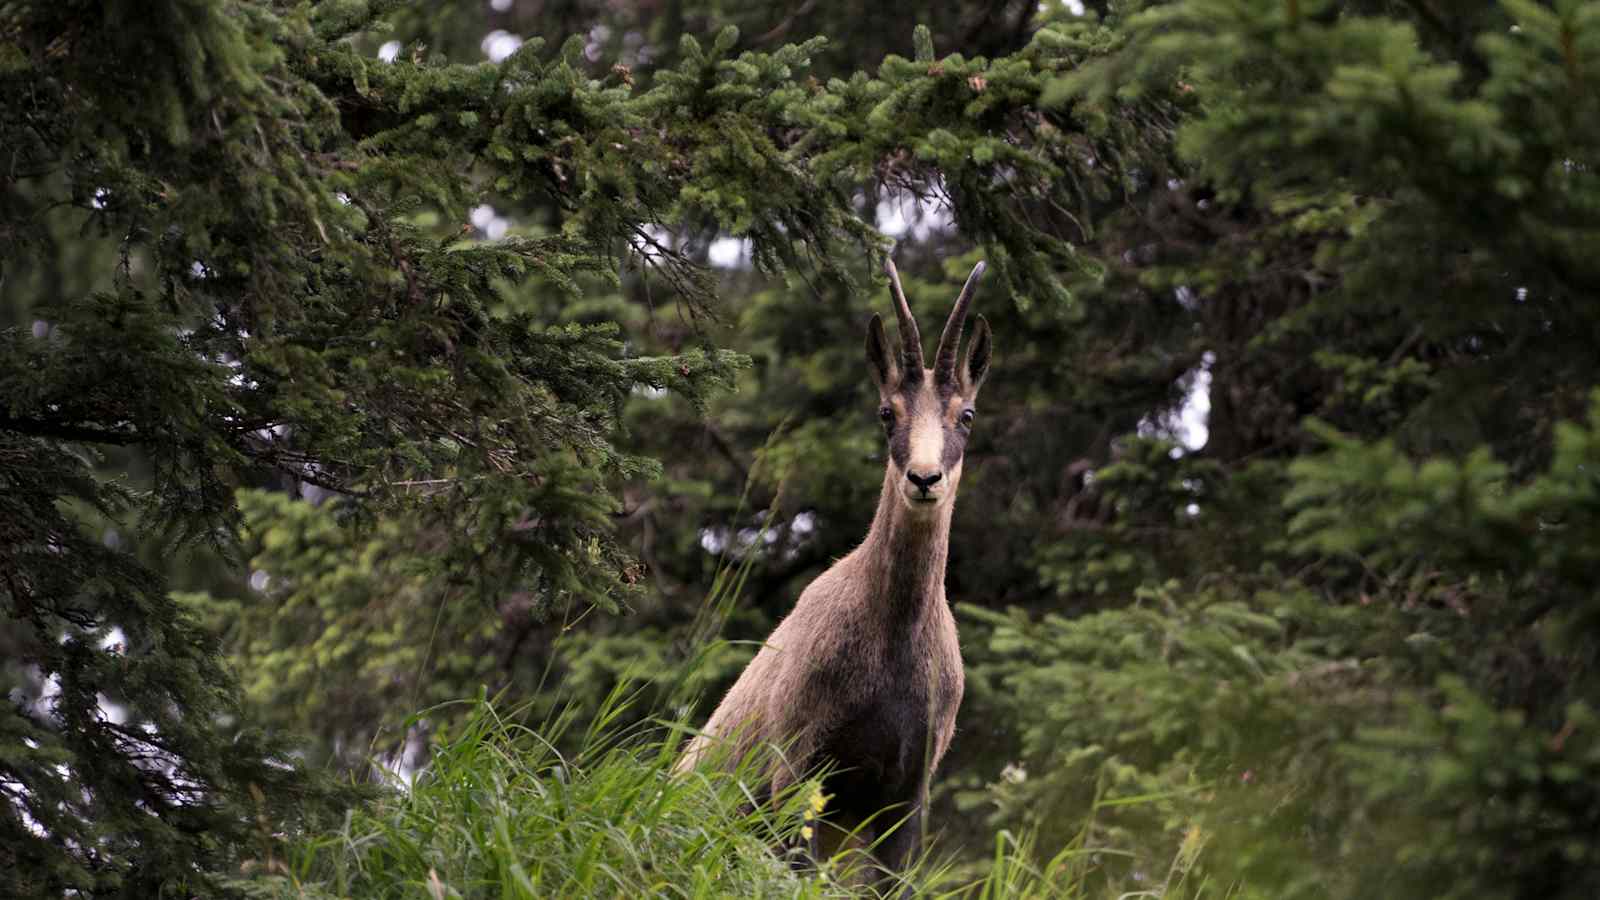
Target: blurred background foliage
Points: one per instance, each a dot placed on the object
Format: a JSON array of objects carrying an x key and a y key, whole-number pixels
[{"x": 359, "y": 355}]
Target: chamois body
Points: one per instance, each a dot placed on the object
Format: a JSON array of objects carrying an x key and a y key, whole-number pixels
[{"x": 864, "y": 675}]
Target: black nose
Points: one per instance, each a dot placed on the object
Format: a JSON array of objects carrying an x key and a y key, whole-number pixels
[{"x": 924, "y": 481}]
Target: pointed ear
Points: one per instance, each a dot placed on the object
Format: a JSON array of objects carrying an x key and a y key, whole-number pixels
[
  {"x": 980, "y": 350},
  {"x": 879, "y": 358}
]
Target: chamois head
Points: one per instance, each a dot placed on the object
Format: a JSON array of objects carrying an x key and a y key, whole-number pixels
[{"x": 927, "y": 413}]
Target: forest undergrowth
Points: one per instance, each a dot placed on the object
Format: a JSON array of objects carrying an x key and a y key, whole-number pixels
[{"x": 500, "y": 812}]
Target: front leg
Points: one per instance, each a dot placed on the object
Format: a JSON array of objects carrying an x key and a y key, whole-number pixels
[
  {"x": 896, "y": 851},
  {"x": 792, "y": 763}
]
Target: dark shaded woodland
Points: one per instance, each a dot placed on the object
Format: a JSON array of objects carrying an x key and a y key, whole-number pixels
[{"x": 362, "y": 358}]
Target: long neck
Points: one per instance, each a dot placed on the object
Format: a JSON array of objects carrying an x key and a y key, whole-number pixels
[{"x": 906, "y": 553}]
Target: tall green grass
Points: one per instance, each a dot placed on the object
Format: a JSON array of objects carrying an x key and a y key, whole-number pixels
[{"x": 499, "y": 812}]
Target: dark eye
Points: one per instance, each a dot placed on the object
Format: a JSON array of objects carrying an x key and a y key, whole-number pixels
[
  {"x": 886, "y": 415},
  {"x": 967, "y": 416}
]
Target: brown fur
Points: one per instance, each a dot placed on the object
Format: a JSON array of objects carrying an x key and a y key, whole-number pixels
[{"x": 865, "y": 673}]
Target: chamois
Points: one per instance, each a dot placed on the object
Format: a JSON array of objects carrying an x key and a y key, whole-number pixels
[{"x": 864, "y": 675}]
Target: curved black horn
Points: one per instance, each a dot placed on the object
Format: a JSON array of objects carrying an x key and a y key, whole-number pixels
[
  {"x": 910, "y": 337},
  {"x": 944, "y": 361}
]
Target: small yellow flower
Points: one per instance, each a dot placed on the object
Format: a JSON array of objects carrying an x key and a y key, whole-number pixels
[
  {"x": 1194, "y": 840},
  {"x": 818, "y": 801},
  {"x": 806, "y": 832}
]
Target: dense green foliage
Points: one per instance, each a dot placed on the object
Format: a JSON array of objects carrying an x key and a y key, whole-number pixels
[
  {"x": 607, "y": 819},
  {"x": 610, "y": 820},
  {"x": 332, "y": 389}
]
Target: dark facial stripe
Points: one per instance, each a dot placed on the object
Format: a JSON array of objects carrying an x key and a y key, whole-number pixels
[
  {"x": 955, "y": 444},
  {"x": 900, "y": 437}
]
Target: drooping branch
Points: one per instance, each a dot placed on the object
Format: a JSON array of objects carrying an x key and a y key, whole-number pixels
[{"x": 65, "y": 432}]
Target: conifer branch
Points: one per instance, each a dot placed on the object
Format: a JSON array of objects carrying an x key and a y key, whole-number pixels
[{"x": 65, "y": 432}]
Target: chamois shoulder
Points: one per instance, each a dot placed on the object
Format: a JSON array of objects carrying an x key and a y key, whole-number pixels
[{"x": 842, "y": 585}]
